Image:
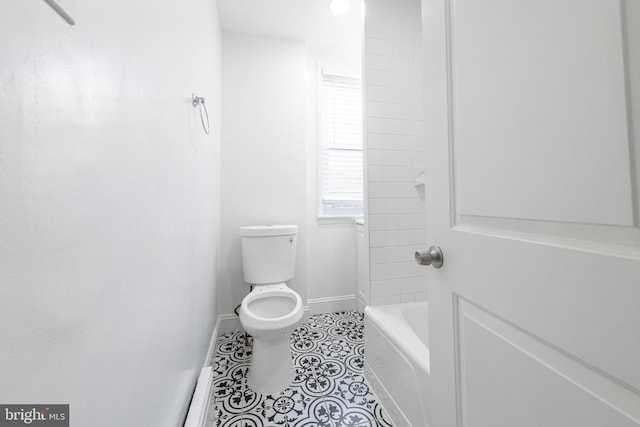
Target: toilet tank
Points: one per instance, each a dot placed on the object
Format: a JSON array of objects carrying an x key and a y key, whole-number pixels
[{"x": 268, "y": 253}]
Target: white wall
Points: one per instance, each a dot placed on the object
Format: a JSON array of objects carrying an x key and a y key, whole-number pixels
[
  {"x": 270, "y": 168},
  {"x": 263, "y": 151},
  {"x": 396, "y": 210},
  {"x": 109, "y": 206},
  {"x": 332, "y": 269}
]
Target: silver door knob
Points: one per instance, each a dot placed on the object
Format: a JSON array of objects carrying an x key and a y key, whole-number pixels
[{"x": 433, "y": 257}]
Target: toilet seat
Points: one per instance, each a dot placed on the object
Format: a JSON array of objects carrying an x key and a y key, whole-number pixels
[{"x": 270, "y": 308}]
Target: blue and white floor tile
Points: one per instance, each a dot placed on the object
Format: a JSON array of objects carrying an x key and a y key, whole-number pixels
[{"x": 329, "y": 389}]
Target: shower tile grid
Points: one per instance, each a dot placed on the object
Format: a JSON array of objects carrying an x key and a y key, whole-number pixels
[{"x": 329, "y": 389}]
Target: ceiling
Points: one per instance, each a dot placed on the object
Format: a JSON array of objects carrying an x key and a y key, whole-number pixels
[{"x": 308, "y": 20}]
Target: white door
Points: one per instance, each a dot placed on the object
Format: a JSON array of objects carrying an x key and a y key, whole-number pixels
[{"x": 532, "y": 121}]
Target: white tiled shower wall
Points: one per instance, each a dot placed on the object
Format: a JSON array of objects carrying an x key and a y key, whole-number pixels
[{"x": 395, "y": 152}]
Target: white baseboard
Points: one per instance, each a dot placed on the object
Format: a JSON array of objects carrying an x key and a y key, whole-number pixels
[
  {"x": 332, "y": 304},
  {"x": 212, "y": 345},
  {"x": 224, "y": 323},
  {"x": 229, "y": 323}
]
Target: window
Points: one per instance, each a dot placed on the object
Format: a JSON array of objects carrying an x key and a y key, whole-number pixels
[{"x": 341, "y": 175}]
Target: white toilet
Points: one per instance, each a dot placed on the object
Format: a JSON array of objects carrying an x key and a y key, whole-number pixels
[{"x": 271, "y": 310}]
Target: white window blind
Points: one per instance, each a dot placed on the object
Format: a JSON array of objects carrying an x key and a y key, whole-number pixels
[{"x": 341, "y": 180}]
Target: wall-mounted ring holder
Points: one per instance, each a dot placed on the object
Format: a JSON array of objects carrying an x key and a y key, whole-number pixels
[{"x": 198, "y": 101}]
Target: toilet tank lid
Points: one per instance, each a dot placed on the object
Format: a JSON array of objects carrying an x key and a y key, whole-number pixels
[{"x": 268, "y": 230}]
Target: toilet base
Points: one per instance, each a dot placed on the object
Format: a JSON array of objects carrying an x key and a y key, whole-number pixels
[{"x": 271, "y": 369}]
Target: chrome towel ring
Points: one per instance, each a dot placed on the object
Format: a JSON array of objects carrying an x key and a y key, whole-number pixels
[{"x": 198, "y": 101}]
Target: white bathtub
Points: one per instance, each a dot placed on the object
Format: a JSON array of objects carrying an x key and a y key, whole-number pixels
[{"x": 396, "y": 358}]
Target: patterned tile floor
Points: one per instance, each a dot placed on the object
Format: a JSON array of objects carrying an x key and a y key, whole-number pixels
[{"x": 329, "y": 389}]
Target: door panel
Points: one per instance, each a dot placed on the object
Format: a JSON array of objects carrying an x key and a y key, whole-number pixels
[
  {"x": 532, "y": 193},
  {"x": 540, "y": 384},
  {"x": 565, "y": 298},
  {"x": 536, "y": 85}
]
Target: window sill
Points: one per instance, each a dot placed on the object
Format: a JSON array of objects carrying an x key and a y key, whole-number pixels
[{"x": 328, "y": 220}]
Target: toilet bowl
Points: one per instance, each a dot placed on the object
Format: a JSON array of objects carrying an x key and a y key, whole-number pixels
[
  {"x": 271, "y": 310},
  {"x": 269, "y": 313}
]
